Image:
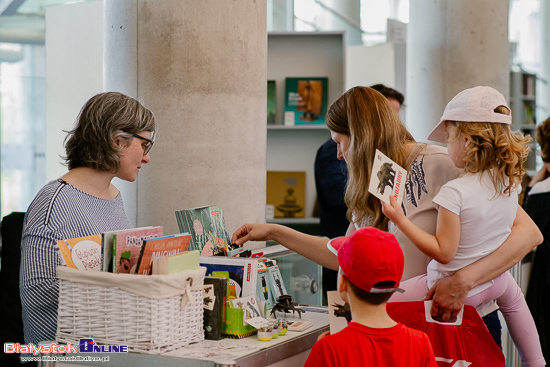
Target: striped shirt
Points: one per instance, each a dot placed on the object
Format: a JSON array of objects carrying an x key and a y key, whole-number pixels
[{"x": 59, "y": 211}]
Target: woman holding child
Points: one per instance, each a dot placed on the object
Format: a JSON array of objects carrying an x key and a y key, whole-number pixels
[{"x": 361, "y": 121}]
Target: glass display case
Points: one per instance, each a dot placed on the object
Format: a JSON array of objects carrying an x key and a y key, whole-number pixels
[{"x": 301, "y": 276}]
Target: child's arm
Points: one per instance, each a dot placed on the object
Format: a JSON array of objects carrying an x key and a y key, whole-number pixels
[{"x": 441, "y": 247}]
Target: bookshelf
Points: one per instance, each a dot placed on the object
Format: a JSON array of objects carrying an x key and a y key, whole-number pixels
[
  {"x": 302, "y": 54},
  {"x": 523, "y": 104}
]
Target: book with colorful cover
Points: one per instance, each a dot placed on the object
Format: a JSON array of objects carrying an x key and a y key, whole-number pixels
[
  {"x": 306, "y": 100},
  {"x": 83, "y": 253},
  {"x": 286, "y": 193},
  {"x": 127, "y": 247},
  {"x": 215, "y": 294},
  {"x": 241, "y": 272},
  {"x": 159, "y": 247},
  {"x": 388, "y": 178},
  {"x": 207, "y": 227}
]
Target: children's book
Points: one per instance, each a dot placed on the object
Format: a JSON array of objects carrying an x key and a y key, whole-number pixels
[
  {"x": 305, "y": 101},
  {"x": 107, "y": 250},
  {"x": 271, "y": 102},
  {"x": 299, "y": 325},
  {"x": 187, "y": 260},
  {"x": 241, "y": 272},
  {"x": 207, "y": 227},
  {"x": 215, "y": 291},
  {"x": 83, "y": 253},
  {"x": 286, "y": 192},
  {"x": 388, "y": 178},
  {"x": 159, "y": 247},
  {"x": 127, "y": 247}
]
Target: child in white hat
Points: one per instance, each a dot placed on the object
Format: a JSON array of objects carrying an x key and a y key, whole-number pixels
[
  {"x": 476, "y": 210},
  {"x": 371, "y": 266}
]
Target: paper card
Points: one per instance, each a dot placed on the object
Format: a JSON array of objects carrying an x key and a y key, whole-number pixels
[
  {"x": 209, "y": 297},
  {"x": 336, "y": 312},
  {"x": 387, "y": 178}
]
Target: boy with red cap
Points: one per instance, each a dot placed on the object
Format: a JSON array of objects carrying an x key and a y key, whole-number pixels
[{"x": 371, "y": 266}]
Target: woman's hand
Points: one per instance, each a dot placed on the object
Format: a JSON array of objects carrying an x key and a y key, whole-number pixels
[
  {"x": 251, "y": 232},
  {"x": 393, "y": 210},
  {"x": 448, "y": 296}
]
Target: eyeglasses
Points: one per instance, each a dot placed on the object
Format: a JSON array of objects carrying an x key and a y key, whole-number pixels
[{"x": 147, "y": 147}]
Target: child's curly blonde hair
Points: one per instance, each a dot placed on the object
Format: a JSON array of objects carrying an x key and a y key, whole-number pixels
[{"x": 497, "y": 149}]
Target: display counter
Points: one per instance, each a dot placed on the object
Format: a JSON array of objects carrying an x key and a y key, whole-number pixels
[{"x": 291, "y": 349}]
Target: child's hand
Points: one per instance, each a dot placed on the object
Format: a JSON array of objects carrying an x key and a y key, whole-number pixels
[{"x": 392, "y": 210}]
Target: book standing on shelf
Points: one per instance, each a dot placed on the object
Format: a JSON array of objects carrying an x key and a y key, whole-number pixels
[
  {"x": 83, "y": 253},
  {"x": 271, "y": 102},
  {"x": 207, "y": 227},
  {"x": 306, "y": 100},
  {"x": 161, "y": 246},
  {"x": 286, "y": 193},
  {"x": 127, "y": 247}
]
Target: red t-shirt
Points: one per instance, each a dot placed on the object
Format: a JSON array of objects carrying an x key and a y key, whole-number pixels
[{"x": 360, "y": 345}]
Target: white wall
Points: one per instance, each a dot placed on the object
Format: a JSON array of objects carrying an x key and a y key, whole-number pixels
[{"x": 74, "y": 72}]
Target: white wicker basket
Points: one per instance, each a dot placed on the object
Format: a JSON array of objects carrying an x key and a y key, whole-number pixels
[{"x": 150, "y": 314}]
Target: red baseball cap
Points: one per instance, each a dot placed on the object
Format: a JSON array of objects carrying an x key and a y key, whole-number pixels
[{"x": 368, "y": 257}]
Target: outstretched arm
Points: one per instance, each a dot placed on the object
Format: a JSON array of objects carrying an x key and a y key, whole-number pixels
[
  {"x": 312, "y": 247},
  {"x": 450, "y": 293},
  {"x": 443, "y": 246}
]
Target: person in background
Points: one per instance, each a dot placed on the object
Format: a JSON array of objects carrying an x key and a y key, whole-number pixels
[
  {"x": 112, "y": 138},
  {"x": 476, "y": 210},
  {"x": 330, "y": 182},
  {"x": 371, "y": 266},
  {"x": 361, "y": 121},
  {"x": 537, "y": 203}
]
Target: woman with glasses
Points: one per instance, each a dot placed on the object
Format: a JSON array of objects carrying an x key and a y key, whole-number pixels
[{"x": 112, "y": 138}]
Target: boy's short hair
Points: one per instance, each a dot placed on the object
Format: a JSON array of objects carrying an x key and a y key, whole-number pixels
[{"x": 371, "y": 259}]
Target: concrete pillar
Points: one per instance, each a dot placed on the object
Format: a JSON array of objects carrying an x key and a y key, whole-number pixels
[
  {"x": 201, "y": 67},
  {"x": 543, "y": 85},
  {"x": 451, "y": 46}
]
